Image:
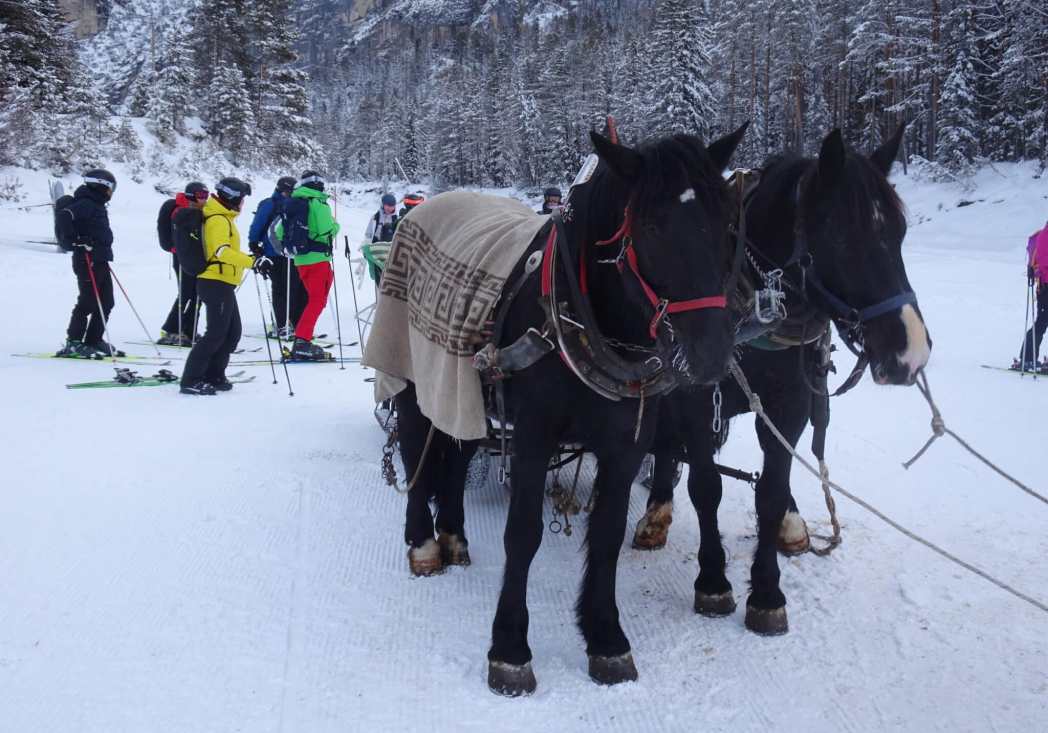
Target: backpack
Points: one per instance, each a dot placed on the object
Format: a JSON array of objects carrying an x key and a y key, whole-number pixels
[
  {"x": 62, "y": 203},
  {"x": 187, "y": 229},
  {"x": 294, "y": 218},
  {"x": 163, "y": 226}
]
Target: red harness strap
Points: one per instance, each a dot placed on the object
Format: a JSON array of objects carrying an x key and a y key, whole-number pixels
[{"x": 661, "y": 305}]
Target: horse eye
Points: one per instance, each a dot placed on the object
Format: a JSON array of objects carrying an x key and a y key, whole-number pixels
[{"x": 651, "y": 229}]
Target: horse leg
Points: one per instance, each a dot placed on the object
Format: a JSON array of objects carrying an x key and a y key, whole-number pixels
[
  {"x": 713, "y": 592},
  {"x": 653, "y": 528},
  {"x": 610, "y": 660},
  {"x": 766, "y": 606},
  {"x": 793, "y": 534},
  {"x": 509, "y": 659},
  {"x": 451, "y": 533},
  {"x": 413, "y": 426}
]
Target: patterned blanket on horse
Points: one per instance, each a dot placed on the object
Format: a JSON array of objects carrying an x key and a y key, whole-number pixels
[{"x": 450, "y": 259}]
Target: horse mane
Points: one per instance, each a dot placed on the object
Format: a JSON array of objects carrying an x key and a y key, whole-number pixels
[{"x": 857, "y": 191}]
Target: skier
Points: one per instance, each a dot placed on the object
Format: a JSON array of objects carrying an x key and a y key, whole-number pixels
[
  {"x": 205, "y": 371},
  {"x": 289, "y": 296},
  {"x": 315, "y": 267},
  {"x": 178, "y": 328},
  {"x": 550, "y": 200},
  {"x": 1037, "y": 274},
  {"x": 410, "y": 202},
  {"x": 84, "y": 225},
  {"x": 379, "y": 234}
]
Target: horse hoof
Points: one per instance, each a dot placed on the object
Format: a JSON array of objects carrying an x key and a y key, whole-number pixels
[
  {"x": 511, "y": 680},
  {"x": 612, "y": 670},
  {"x": 654, "y": 527},
  {"x": 767, "y": 621},
  {"x": 425, "y": 560},
  {"x": 793, "y": 535},
  {"x": 715, "y": 606},
  {"x": 453, "y": 551}
]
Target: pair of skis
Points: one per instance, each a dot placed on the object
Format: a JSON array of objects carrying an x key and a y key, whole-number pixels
[{"x": 128, "y": 378}]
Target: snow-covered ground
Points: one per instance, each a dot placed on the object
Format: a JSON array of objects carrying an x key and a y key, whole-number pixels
[{"x": 170, "y": 563}]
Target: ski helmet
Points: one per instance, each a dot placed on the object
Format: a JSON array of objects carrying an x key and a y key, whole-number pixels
[
  {"x": 231, "y": 191},
  {"x": 412, "y": 200},
  {"x": 312, "y": 179},
  {"x": 551, "y": 192},
  {"x": 286, "y": 184},
  {"x": 389, "y": 199},
  {"x": 197, "y": 191},
  {"x": 100, "y": 179}
]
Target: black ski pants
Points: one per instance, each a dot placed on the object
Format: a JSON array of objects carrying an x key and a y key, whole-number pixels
[
  {"x": 187, "y": 293},
  {"x": 86, "y": 324},
  {"x": 210, "y": 357},
  {"x": 282, "y": 294},
  {"x": 1032, "y": 347}
]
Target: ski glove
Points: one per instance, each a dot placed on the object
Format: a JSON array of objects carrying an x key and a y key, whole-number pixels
[
  {"x": 257, "y": 249},
  {"x": 84, "y": 242},
  {"x": 263, "y": 266}
]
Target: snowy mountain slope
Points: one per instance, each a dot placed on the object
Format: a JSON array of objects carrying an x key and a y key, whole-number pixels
[{"x": 252, "y": 576}]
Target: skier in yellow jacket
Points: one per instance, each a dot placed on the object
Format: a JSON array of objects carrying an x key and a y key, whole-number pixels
[{"x": 205, "y": 372}]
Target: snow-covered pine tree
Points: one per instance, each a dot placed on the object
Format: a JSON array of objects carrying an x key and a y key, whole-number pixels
[
  {"x": 957, "y": 140},
  {"x": 678, "y": 64},
  {"x": 172, "y": 97},
  {"x": 231, "y": 119}
]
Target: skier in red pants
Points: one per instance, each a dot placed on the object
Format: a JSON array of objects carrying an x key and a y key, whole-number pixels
[{"x": 314, "y": 268}]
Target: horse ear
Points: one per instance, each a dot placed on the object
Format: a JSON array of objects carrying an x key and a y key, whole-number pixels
[
  {"x": 624, "y": 162},
  {"x": 831, "y": 157},
  {"x": 885, "y": 155},
  {"x": 720, "y": 151}
]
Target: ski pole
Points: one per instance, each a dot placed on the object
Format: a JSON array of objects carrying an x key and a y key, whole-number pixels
[
  {"x": 276, "y": 330},
  {"x": 128, "y": 299},
  {"x": 196, "y": 318},
  {"x": 262, "y": 312},
  {"x": 338, "y": 321},
  {"x": 101, "y": 313},
  {"x": 180, "y": 307},
  {"x": 1026, "y": 331},
  {"x": 356, "y": 308},
  {"x": 287, "y": 298}
]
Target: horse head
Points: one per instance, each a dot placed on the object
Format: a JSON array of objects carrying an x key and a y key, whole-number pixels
[
  {"x": 674, "y": 209},
  {"x": 851, "y": 224}
]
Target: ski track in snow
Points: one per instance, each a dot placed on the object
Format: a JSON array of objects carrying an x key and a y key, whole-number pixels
[{"x": 258, "y": 582}]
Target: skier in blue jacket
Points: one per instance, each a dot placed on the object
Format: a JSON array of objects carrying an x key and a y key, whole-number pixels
[{"x": 289, "y": 295}]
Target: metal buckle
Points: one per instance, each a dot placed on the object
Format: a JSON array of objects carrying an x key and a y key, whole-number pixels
[{"x": 769, "y": 304}]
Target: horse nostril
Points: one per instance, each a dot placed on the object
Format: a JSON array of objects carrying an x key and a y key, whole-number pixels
[{"x": 881, "y": 372}]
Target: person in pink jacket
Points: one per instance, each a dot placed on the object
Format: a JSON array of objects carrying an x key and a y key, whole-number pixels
[{"x": 1037, "y": 272}]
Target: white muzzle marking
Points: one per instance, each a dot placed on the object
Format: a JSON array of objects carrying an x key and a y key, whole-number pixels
[{"x": 917, "y": 348}]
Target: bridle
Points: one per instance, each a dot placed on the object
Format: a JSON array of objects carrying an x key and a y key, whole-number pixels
[{"x": 850, "y": 320}]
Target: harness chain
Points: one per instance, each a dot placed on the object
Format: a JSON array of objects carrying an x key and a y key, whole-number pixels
[{"x": 755, "y": 406}]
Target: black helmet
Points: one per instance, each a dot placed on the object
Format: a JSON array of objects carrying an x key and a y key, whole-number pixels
[
  {"x": 232, "y": 191},
  {"x": 197, "y": 191},
  {"x": 389, "y": 199},
  {"x": 100, "y": 180},
  {"x": 412, "y": 200},
  {"x": 551, "y": 192},
  {"x": 312, "y": 179},
  {"x": 286, "y": 184}
]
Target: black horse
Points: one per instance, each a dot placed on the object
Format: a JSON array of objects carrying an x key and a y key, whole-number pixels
[
  {"x": 664, "y": 209},
  {"x": 835, "y": 227}
]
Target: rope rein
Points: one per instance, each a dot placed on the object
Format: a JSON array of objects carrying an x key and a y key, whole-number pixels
[
  {"x": 939, "y": 429},
  {"x": 823, "y": 476}
]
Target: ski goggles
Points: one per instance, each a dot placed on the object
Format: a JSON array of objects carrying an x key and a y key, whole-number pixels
[
  {"x": 312, "y": 179},
  {"x": 412, "y": 200},
  {"x": 111, "y": 185},
  {"x": 389, "y": 208},
  {"x": 199, "y": 195},
  {"x": 233, "y": 193},
  {"x": 553, "y": 201}
]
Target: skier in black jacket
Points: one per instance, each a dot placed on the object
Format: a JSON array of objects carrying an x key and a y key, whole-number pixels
[
  {"x": 84, "y": 225},
  {"x": 183, "y": 312}
]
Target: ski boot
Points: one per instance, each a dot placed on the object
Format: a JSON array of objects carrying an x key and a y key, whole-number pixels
[
  {"x": 175, "y": 339},
  {"x": 1043, "y": 368},
  {"x": 306, "y": 351},
  {"x": 1026, "y": 366},
  {"x": 199, "y": 387},
  {"x": 101, "y": 347},
  {"x": 221, "y": 384},
  {"x": 282, "y": 334},
  {"x": 75, "y": 350}
]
